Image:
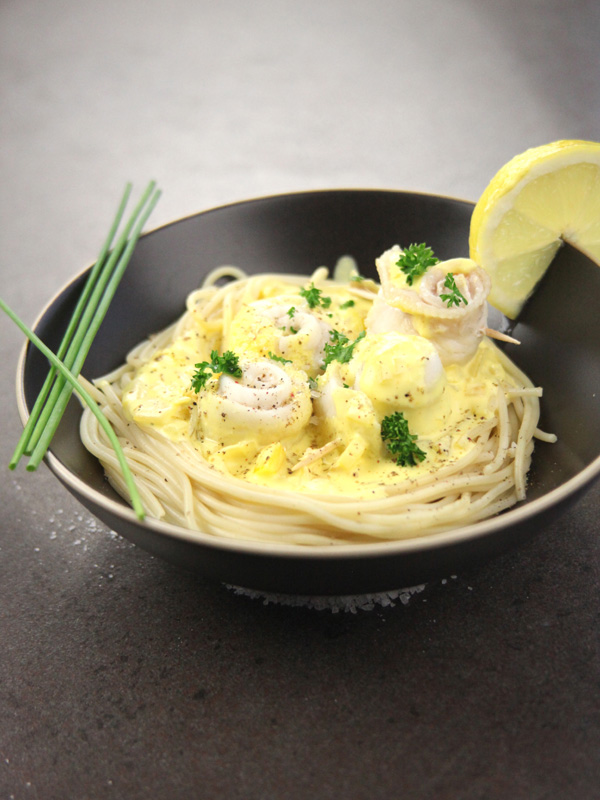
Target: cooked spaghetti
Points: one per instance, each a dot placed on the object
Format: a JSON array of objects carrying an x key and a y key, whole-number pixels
[{"x": 317, "y": 411}]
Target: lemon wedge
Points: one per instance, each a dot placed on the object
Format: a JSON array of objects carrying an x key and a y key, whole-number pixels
[{"x": 539, "y": 199}]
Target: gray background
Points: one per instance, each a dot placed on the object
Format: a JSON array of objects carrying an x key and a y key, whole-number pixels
[{"x": 121, "y": 677}]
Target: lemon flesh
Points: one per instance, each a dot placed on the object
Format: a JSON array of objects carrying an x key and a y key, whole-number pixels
[{"x": 539, "y": 199}]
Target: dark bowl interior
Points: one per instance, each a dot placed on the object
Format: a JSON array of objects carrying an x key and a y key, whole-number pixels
[{"x": 559, "y": 330}]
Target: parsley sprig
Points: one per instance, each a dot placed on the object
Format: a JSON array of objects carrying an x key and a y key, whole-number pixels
[
  {"x": 401, "y": 443},
  {"x": 314, "y": 297},
  {"x": 415, "y": 260},
  {"x": 454, "y": 297},
  {"x": 228, "y": 363},
  {"x": 340, "y": 348}
]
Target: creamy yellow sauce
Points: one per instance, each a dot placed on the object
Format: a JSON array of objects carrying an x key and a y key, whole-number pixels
[{"x": 329, "y": 441}]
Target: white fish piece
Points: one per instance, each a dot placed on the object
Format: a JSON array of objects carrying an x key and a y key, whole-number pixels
[
  {"x": 264, "y": 388},
  {"x": 346, "y": 413},
  {"x": 384, "y": 318},
  {"x": 324, "y": 403},
  {"x": 285, "y": 325},
  {"x": 397, "y": 371},
  {"x": 303, "y": 327},
  {"x": 269, "y": 402},
  {"x": 455, "y": 330}
]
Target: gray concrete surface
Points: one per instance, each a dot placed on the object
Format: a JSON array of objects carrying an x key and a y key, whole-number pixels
[{"x": 119, "y": 676}]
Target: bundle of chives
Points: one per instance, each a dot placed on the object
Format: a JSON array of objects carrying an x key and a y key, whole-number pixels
[
  {"x": 89, "y": 400},
  {"x": 66, "y": 365}
]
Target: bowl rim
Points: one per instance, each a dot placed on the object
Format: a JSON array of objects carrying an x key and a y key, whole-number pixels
[{"x": 407, "y": 545}]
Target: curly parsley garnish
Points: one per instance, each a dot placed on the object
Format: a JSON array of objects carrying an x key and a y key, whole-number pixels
[
  {"x": 347, "y": 304},
  {"x": 340, "y": 348},
  {"x": 228, "y": 363},
  {"x": 454, "y": 298},
  {"x": 281, "y": 359},
  {"x": 314, "y": 297},
  {"x": 400, "y": 441},
  {"x": 415, "y": 260}
]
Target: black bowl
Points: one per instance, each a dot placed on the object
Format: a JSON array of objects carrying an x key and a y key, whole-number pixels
[{"x": 559, "y": 330}]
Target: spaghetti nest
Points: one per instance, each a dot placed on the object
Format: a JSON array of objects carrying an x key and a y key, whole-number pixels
[{"x": 291, "y": 449}]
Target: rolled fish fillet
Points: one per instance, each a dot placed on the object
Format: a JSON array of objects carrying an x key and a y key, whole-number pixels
[
  {"x": 285, "y": 325},
  {"x": 455, "y": 331},
  {"x": 397, "y": 371},
  {"x": 269, "y": 402},
  {"x": 302, "y": 324},
  {"x": 347, "y": 413}
]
